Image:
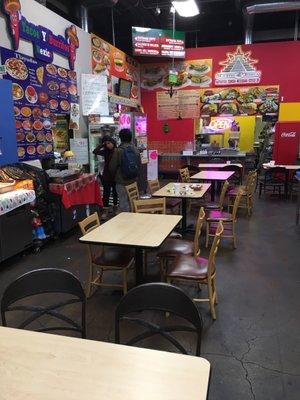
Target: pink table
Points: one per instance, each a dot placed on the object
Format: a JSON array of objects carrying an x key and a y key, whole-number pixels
[{"x": 213, "y": 176}]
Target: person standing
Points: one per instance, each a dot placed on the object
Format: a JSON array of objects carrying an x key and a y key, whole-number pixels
[
  {"x": 106, "y": 149},
  {"x": 125, "y": 167}
]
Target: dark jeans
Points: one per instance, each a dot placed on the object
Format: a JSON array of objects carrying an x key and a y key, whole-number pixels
[{"x": 107, "y": 188}]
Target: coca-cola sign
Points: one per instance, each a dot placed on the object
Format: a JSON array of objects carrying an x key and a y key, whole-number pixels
[{"x": 288, "y": 134}]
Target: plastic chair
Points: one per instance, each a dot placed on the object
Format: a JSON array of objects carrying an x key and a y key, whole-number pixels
[
  {"x": 45, "y": 281},
  {"x": 164, "y": 298}
]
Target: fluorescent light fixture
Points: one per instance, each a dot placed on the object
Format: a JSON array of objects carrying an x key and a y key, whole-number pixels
[{"x": 186, "y": 8}]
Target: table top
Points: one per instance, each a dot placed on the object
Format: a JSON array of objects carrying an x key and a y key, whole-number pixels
[
  {"x": 213, "y": 175},
  {"x": 208, "y": 155},
  {"x": 212, "y": 165},
  {"x": 289, "y": 167},
  {"x": 134, "y": 230},
  {"x": 39, "y": 366},
  {"x": 169, "y": 190}
]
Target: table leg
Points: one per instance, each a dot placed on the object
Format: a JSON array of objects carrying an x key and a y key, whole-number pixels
[
  {"x": 139, "y": 266},
  {"x": 213, "y": 190},
  {"x": 183, "y": 211}
]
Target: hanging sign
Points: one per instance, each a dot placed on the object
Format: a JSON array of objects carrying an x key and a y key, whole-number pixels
[
  {"x": 94, "y": 94},
  {"x": 44, "y": 41},
  {"x": 238, "y": 68}
]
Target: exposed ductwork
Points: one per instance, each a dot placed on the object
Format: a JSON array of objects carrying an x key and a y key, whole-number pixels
[{"x": 250, "y": 11}]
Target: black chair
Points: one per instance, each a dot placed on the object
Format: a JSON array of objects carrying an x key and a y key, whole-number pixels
[
  {"x": 274, "y": 178},
  {"x": 164, "y": 298},
  {"x": 293, "y": 184},
  {"x": 237, "y": 178},
  {"x": 45, "y": 281}
]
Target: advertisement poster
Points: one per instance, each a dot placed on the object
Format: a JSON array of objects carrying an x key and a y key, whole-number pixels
[
  {"x": 40, "y": 92},
  {"x": 81, "y": 150},
  {"x": 238, "y": 68},
  {"x": 158, "y": 42},
  {"x": 94, "y": 94},
  {"x": 61, "y": 135},
  {"x": 191, "y": 73},
  {"x": 255, "y": 100},
  {"x": 183, "y": 104},
  {"x": 114, "y": 63}
]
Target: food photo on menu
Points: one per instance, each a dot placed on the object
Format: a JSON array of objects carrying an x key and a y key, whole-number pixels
[{"x": 40, "y": 92}]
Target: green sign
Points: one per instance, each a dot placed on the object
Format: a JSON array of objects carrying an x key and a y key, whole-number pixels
[{"x": 2, "y": 70}]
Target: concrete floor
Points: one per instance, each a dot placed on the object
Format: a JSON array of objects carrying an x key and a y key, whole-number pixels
[{"x": 254, "y": 345}]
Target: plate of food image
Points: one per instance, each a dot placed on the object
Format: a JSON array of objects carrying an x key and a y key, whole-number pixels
[
  {"x": 248, "y": 108},
  {"x": 37, "y": 112},
  {"x": 49, "y": 148},
  {"x": 105, "y": 46},
  {"x": 18, "y": 92},
  {"x": 118, "y": 61},
  {"x": 43, "y": 97},
  {"x": 16, "y": 69},
  {"x": 30, "y": 137},
  {"x": 97, "y": 56},
  {"x": 53, "y": 86},
  {"x": 53, "y": 104},
  {"x": 20, "y": 136},
  {"x": 63, "y": 88},
  {"x": 26, "y": 112},
  {"x": 72, "y": 90},
  {"x": 18, "y": 124},
  {"x": 40, "y": 74},
  {"x": 41, "y": 149},
  {"x": 72, "y": 75},
  {"x": 40, "y": 137},
  {"x": 31, "y": 94},
  {"x": 63, "y": 73},
  {"x": 49, "y": 137},
  {"x": 51, "y": 69},
  {"x": 96, "y": 42},
  {"x": 209, "y": 109},
  {"x": 38, "y": 125},
  {"x": 17, "y": 111},
  {"x": 229, "y": 109},
  {"x": 46, "y": 113},
  {"x": 31, "y": 150},
  {"x": 21, "y": 152},
  {"x": 199, "y": 68},
  {"x": 47, "y": 124},
  {"x": 27, "y": 125},
  {"x": 200, "y": 80},
  {"x": 65, "y": 105}
]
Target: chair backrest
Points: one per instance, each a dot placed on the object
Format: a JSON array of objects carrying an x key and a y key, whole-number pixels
[
  {"x": 160, "y": 297},
  {"x": 251, "y": 183},
  {"x": 214, "y": 249},
  {"x": 199, "y": 224},
  {"x": 132, "y": 193},
  {"x": 185, "y": 175},
  {"x": 223, "y": 194},
  {"x": 45, "y": 281},
  {"x": 236, "y": 204},
  {"x": 275, "y": 172},
  {"x": 89, "y": 223},
  {"x": 153, "y": 185},
  {"x": 150, "y": 206},
  {"x": 238, "y": 172}
]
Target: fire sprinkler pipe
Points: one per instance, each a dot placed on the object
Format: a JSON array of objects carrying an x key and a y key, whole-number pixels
[{"x": 250, "y": 11}]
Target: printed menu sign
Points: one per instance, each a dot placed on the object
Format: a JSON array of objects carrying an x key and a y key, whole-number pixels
[
  {"x": 183, "y": 104},
  {"x": 114, "y": 63},
  {"x": 40, "y": 92},
  {"x": 254, "y": 100},
  {"x": 158, "y": 42},
  {"x": 94, "y": 94}
]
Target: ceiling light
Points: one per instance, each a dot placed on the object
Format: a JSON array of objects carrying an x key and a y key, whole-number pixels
[
  {"x": 140, "y": 29},
  {"x": 172, "y": 10},
  {"x": 157, "y": 11},
  {"x": 186, "y": 8}
]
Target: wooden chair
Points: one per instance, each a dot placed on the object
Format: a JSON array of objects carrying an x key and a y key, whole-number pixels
[
  {"x": 150, "y": 206},
  {"x": 132, "y": 193},
  {"x": 247, "y": 194},
  {"x": 218, "y": 205},
  {"x": 171, "y": 248},
  {"x": 109, "y": 258},
  {"x": 171, "y": 204},
  {"x": 229, "y": 221},
  {"x": 185, "y": 175},
  {"x": 199, "y": 270}
]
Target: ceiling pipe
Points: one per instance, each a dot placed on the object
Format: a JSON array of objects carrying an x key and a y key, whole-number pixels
[
  {"x": 84, "y": 18},
  {"x": 250, "y": 11}
]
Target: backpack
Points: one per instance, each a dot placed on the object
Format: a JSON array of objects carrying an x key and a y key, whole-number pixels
[{"x": 130, "y": 163}]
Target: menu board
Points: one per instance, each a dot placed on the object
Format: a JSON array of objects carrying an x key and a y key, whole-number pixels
[
  {"x": 190, "y": 73},
  {"x": 183, "y": 104},
  {"x": 40, "y": 92},
  {"x": 255, "y": 100},
  {"x": 158, "y": 42},
  {"x": 115, "y": 64}
]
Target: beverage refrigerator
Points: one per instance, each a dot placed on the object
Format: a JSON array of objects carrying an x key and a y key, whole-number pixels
[{"x": 286, "y": 148}]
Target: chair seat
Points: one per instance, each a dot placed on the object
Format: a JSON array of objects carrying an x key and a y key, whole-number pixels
[
  {"x": 189, "y": 267},
  {"x": 216, "y": 215},
  {"x": 175, "y": 235},
  {"x": 172, "y": 247},
  {"x": 236, "y": 190},
  {"x": 170, "y": 203},
  {"x": 212, "y": 206},
  {"x": 114, "y": 257}
]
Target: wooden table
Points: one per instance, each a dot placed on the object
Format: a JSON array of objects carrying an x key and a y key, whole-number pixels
[
  {"x": 138, "y": 231},
  {"x": 213, "y": 176},
  {"x": 217, "y": 166},
  {"x": 39, "y": 366},
  {"x": 169, "y": 191},
  {"x": 288, "y": 167}
]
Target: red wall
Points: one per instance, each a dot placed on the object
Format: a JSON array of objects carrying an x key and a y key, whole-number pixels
[{"x": 278, "y": 61}]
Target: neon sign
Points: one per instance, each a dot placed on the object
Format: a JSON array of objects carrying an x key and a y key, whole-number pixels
[{"x": 45, "y": 43}]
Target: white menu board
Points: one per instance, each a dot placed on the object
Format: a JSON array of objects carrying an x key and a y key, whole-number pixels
[{"x": 94, "y": 94}]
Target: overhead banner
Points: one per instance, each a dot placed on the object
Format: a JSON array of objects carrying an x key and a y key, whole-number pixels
[
  {"x": 238, "y": 68},
  {"x": 115, "y": 64},
  {"x": 190, "y": 73},
  {"x": 255, "y": 100},
  {"x": 40, "y": 92},
  {"x": 45, "y": 42},
  {"x": 183, "y": 104}
]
